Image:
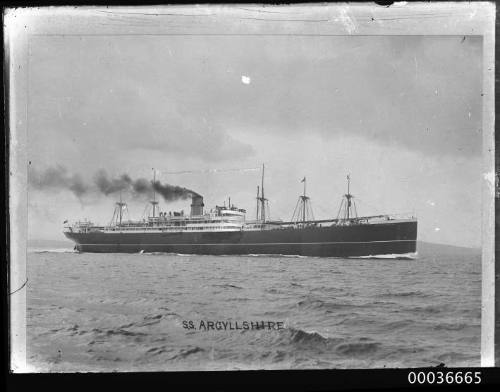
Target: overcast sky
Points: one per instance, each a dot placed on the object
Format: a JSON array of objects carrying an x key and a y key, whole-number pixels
[{"x": 401, "y": 114}]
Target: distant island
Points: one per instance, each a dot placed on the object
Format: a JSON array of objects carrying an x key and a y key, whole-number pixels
[{"x": 430, "y": 248}]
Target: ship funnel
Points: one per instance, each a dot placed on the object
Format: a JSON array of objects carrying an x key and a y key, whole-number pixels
[{"x": 197, "y": 205}]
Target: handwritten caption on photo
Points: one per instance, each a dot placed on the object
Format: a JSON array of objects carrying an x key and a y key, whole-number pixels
[{"x": 218, "y": 325}]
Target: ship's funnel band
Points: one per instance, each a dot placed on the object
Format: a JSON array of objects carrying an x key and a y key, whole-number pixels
[{"x": 197, "y": 205}]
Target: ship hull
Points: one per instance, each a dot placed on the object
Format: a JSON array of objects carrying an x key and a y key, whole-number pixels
[{"x": 333, "y": 241}]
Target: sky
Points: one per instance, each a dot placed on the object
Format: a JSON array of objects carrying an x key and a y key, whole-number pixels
[{"x": 400, "y": 114}]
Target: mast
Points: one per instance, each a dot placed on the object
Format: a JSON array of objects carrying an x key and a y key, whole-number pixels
[
  {"x": 118, "y": 212},
  {"x": 121, "y": 208},
  {"x": 304, "y": 198},
  {"x": 303, "y": 210},
  {"x": 263, "y": 200},
  {"x": 258, "y": 200},
  {"x": 348, "y": 196},
  {"x": 347, "y": 209},
  {"x": 154, "y": 202}
]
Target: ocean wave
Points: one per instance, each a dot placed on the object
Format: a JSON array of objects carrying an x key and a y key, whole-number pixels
[
  {"x": 123, "y": 332},
  {"x": 129, "y": 325},
  {"x": 454, "y": 356},
  {"x": 187, "y": 352},
  {"x": 273, "y": 255},
  {"x": 398, "y": 324},
  {"x": 357, "y": 348},
  {"x": 310, "y": 340},
  {"x": 278, "y": 256},
  {"x": 318, "y": 342},
  {"x": 116, "y": 332},
  {"x": 451, "y": 326},
  {"x": 431, "y": 309},
  {"x": 415, "y": 293},
  {"x": 142, "y": 252},
  {"x": 260, "y": 255},
  {"x": 150, "y": 320},
  {"x": 75, "y": 330},
  {"x": 307, "y": 337},
  {"x": 228, "y": 285},
  {"x": 125, "y": 293},
  {"x": 157, "y": 350},
  {"x": 392, "y": 256},
  {"x": 52, "y": 250},
  {"x": 328, "y": 307},
  {"x": 153, "y": 317}
]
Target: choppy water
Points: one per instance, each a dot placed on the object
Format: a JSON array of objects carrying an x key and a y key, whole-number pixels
[{"x": 104, "y": 312}]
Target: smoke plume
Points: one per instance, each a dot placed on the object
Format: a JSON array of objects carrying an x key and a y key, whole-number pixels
[{"x": 58, "y": 178}]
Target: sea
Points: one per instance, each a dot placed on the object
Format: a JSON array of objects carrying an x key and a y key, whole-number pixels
[{"x": 166, "y": 312}]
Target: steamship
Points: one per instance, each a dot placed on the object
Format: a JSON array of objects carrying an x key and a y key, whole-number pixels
[{"x": 224, "y": 230}]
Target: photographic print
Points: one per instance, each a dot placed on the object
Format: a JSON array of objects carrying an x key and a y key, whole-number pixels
[{"x": 251, "y": 187}]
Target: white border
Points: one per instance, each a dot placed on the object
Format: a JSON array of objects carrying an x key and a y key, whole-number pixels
[{"x": 476, "y": 18}]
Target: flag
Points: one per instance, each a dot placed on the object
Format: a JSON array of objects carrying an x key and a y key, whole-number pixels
[
  {"x": 303, "y": 180},
  {"x": 66, "y": 221}
]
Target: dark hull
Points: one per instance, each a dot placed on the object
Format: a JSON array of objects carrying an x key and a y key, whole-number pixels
[{"x": 333, "y": 241}]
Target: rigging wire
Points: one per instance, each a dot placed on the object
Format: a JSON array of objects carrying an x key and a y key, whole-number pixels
[
  {"x": 369, "y": 205},
  {"x": 211, "y": 170},
  {"x": 324, "y": 211}
]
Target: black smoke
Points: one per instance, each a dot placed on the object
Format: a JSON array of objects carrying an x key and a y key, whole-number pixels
[
  {"x": 108, "y": 185},
  {"x": 58, "y": 178},
  {"x": 173, "y": 192}
]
